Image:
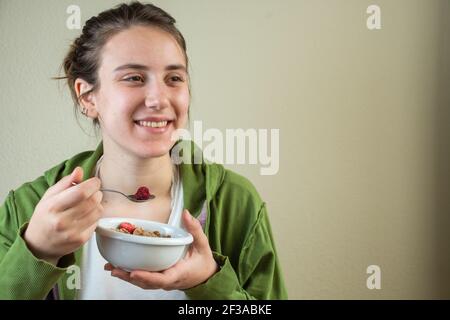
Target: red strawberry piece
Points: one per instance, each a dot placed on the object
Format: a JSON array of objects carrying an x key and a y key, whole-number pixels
[
  {"x": 142, "y": 193},
  {"x": 127, "y": 226}
]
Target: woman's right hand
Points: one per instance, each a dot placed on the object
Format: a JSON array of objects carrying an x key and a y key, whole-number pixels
[{"x": 65, "y": 218}]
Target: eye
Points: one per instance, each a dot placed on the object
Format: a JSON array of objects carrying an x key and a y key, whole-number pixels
[
  {"x": 135, "y": 78},
  {"x": 176, "y": 79}
]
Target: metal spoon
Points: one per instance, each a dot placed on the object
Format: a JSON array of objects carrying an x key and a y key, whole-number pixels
[{"x": 130, "y": 197}]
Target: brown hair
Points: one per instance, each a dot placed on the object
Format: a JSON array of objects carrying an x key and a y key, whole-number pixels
[{"x": 83, "y": 59}]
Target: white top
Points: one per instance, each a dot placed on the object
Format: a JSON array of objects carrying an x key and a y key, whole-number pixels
[{"x": 98, "y": 284}]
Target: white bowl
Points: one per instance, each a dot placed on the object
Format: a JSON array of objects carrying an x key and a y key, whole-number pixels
[{"x": 131, "y": 252}]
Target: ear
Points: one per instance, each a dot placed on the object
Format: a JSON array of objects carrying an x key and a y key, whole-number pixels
[{"x": 87, "y": 101}]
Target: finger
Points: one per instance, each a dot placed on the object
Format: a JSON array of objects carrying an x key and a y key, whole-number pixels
[
  {"x": 85, "y": 207},
  {"x": 66, "y": 182},
  {"x": 121, "y": 274},
  {"x": 149, "y": 280},
  {"x": 194, "y": 227},
  {"x": 87, "y": 233},
  {"x": 85, "y": 225},
  {"x": 143, "y": 285},
  {"x": 166, "y": 279},
  {"x": 90, "y": 220},
  {"x": 73, "y": 196},
  {"x": 108, "y": 267},
  {"x": 146, "y": 285}
]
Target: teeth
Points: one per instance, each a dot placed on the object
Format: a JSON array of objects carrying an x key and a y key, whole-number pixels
[{"x": 152, "y": 124}]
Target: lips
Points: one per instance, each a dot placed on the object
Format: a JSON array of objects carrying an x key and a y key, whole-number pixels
[
  {"x": 152, "y": 124},
  {"x": 155, "y": 119}
]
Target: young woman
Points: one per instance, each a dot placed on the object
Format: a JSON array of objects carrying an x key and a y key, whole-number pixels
[{"x": 128, "y": 72}]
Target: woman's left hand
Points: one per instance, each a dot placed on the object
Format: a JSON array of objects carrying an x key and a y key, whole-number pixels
[{"x": 195, "y": 268}]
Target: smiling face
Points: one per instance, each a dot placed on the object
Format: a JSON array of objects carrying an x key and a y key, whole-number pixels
[{"x": 144, "y": 94}]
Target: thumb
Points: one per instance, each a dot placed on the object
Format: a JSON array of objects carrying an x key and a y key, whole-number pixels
[
  {"x": 77, "y": 175},
  {"x": 194, "y": 227},
  {"x": 66, "y": 182}
]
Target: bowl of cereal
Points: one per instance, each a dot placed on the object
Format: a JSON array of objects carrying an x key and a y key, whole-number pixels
[{"x": 134, "y": 244}]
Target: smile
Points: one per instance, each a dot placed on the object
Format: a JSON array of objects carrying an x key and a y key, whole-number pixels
[{"x": 152, "y": 124}]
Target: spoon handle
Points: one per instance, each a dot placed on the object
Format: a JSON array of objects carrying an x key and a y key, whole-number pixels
[{"x": 108, "y": 190}]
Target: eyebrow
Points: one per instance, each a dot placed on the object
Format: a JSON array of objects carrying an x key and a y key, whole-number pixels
[{"x": 170, "y": 67}]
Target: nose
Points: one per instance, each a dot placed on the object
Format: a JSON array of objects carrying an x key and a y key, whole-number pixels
[{"x": 156, "y": 97}]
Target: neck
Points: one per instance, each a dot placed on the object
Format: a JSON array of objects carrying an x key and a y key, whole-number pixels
[{"x": 126, "y": 174}]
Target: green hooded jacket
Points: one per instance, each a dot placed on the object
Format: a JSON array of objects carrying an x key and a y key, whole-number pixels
[{"x": 236, "y": 225}]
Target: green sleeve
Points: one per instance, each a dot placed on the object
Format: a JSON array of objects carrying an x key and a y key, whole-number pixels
[
  {"x": 22, "y": 276},
  {"x": 258, "y": 275}
]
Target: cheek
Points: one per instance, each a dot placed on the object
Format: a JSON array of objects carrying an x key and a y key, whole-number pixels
[
  {"x": 116, "y": 102},
  {"x": 183, "y": 101}
]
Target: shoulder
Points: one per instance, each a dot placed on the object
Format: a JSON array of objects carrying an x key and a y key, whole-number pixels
[
  {"x": 24, "y": 198},
  {"x": 21, "y": 202},
  {"x": 239, "y": 187},
  {"x": 51, "y": 176}
]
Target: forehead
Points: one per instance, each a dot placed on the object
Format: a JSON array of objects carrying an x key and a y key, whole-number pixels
[{"x": 145, "y": 45}]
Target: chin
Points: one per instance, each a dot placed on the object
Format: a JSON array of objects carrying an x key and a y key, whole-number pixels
[{"x": 154, "y": 149}]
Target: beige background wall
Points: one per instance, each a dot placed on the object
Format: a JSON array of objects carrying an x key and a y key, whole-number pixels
[{"x": 363, "y": 117}]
